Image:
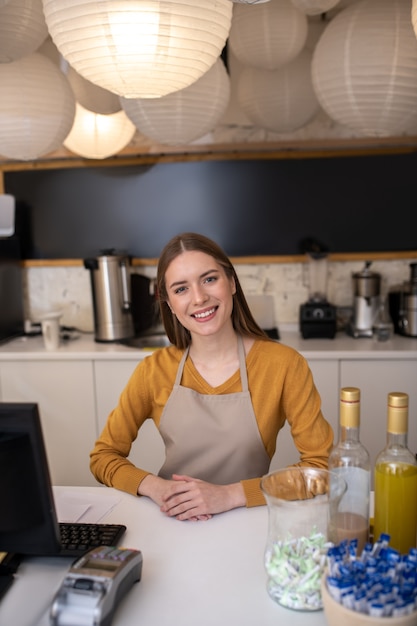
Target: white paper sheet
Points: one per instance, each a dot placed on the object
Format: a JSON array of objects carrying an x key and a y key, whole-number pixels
[{"x": 87, "y": 508}]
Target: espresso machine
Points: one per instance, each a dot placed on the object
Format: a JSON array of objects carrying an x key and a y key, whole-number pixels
[
  {"x": 403, "y": 305},
  {"x": 317, "y": 316},
  {"x": 367, "y": 301}
]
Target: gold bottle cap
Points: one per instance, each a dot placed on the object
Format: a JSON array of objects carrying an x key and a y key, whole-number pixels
[
  {"x": 350, "y": 394},
  {"x": 398, "y": 399},
  {"x": 350, "y": 407},
  {"x": 398, "y": 412}
]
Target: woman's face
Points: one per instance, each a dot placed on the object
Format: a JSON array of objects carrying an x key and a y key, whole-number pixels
[{"x": 199, "y": 292}]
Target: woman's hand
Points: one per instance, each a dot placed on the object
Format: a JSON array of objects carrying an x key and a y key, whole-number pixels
[{"x": 187, "y": 498}]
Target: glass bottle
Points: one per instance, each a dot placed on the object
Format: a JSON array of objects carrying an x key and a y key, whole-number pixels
[
  {"x": 396, "y": 480},
  {"x": 351, "y": 460}
]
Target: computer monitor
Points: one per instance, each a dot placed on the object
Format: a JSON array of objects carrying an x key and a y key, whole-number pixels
[{"x": 28, "y": 521}]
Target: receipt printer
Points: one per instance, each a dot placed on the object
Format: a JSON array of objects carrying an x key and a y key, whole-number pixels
[{"x": 94, "y": 586}]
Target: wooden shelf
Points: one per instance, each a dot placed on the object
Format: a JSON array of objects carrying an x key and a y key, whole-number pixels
[
  {"x": 245, "y": 260},
  {"x": 145, "y": 155}
]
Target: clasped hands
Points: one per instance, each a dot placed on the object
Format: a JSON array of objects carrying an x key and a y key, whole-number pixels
[{"x": 187, "y": 498}]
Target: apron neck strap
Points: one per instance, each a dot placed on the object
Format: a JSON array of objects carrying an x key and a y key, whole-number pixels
[{"x": 242, "y": 364}]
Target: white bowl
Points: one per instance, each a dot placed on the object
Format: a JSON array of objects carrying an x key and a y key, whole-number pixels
[{"x": 338, "y": 615}]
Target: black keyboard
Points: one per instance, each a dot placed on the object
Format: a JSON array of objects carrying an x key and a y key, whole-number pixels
[{"x": 77, "y": 539}]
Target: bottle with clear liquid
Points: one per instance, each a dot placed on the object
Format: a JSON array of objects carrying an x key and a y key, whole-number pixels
[
  {"x": 396, "y": 480},
  {"x": 350, "y": 459}
]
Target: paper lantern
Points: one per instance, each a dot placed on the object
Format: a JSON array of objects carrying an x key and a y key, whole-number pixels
[
  {"x": 414, "y": 16},
  {"x": 96, "y": 136},
  {"x": 37, "y": 107},
  {"x": 22, "y": 28},
  {"x": 140, "y": 48},
  {"x": 281, "y": 100},
  {"x": 185, "y": 115},
  {"x": 315, "y": 7},
  {"x": 364, "y": 68},
  {"x": 92, "y": 97},
  {"x": 267, "y": 35}
]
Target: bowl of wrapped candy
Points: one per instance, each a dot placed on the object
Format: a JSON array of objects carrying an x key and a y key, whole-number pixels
[{"x": 376, "y": 588}]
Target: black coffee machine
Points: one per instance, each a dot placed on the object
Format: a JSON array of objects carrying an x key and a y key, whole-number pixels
[
  {"x": 145, "y": 306},
  {"x": 317, "y": 315},
  {"x": 403, "y": 305}
]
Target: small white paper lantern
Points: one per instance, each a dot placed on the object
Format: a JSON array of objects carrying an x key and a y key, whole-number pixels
[
  {"x": 269, "y": 35},
  {"x": 37, "y": 107},
  {"x": 315, "y": 7},
  {"x": 281, "y": 100},
  {"x": 22, "y": 28},
  {"x": 140, "y": 48},
  {"x": 92, "y": 97},
  {"x": 365, "y": 68},
  {"x": 185, "y": 115},
  {"x": 96, "y": 136}
]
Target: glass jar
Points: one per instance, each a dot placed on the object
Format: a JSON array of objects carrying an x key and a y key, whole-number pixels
[{"x": 302, "y": 504}]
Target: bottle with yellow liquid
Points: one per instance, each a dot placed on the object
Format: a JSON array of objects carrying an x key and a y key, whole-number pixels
[
  {"x": 396, "y": 480},
  {"x": 350, "y": 459}
]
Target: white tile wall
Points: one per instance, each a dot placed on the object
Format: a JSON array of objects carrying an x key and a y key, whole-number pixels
[{"x": 69, "y": 289}]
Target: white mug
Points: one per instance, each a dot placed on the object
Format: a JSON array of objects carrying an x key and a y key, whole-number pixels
[{"x": 51, "y": 331}]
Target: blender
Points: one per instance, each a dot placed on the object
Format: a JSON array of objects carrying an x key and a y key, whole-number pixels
[
  {"x": 317, "y": 315},
  {"x": 367, "y": 301}
]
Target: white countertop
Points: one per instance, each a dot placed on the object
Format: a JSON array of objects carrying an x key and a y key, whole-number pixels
[
  {"x": 194, "y": 573},
  {"x": 341, "y": 347}
]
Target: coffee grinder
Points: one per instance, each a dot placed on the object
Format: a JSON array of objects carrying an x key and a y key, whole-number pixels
[
  {"x": 317, "y": 315},
  {"x": 367, "y": 301}
]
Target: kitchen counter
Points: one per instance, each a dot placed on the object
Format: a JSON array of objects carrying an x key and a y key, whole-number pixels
[{"x": 341, "y": 347}]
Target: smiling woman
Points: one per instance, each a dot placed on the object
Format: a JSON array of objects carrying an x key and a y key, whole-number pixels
[{"x": 219, "y": 395}]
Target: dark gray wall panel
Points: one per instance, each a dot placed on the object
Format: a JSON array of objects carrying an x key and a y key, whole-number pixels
[{"x": 350, "y": 204}]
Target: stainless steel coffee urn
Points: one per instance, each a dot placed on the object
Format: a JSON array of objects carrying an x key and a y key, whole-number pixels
[
  {"x": 110, "y": 283},
  {"x": 367, "y": 301}
]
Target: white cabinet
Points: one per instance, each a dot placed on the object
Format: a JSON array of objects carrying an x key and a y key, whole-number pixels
[
  {"x": 376, "y": 378},
  {"x": 111, "y": 377},
  {"x": 64, "y": 391},
  {"x": 326, "y": 377},
  {"x": 75, "y": 397}
]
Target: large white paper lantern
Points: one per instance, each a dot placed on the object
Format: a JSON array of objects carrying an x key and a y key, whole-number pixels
[
  {"x": 140, "y": 48},
  {"x": 315, "y": 7},
  {"x": 365, "y": 68},
  {"x": 22, "y": 28},
  {"x": 91, "y": 96},
  {"x": 267, "y": 35},
  {"x": 281, "y": 100},
  {"x": 185, "y": 115},
  {"x": 37, "y": 107},
  {"x": 96, "y": 136}
]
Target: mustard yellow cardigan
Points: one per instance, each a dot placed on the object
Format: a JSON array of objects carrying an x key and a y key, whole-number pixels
[{"x": 281, "y": 387}]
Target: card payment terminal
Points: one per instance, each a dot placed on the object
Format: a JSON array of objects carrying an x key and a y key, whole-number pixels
[{"x": 94, "y": 586}]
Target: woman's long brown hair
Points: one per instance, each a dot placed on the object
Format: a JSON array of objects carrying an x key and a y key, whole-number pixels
[{"x": 242, "y": 318}]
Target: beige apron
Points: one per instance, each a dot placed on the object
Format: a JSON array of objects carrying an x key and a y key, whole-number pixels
[{"x": 212, "y": 437}]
